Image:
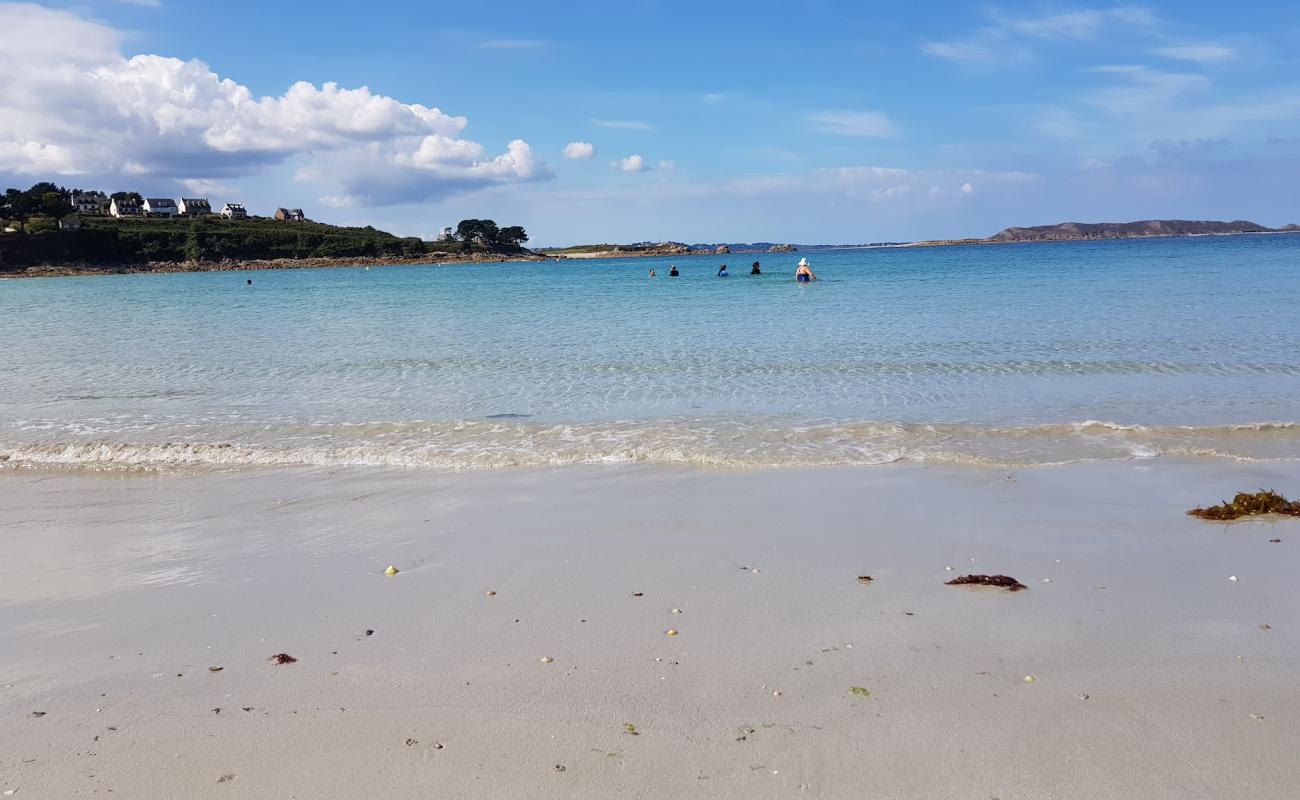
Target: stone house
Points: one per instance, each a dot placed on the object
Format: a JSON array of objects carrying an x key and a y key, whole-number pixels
[{"x": 290, "y": 215}]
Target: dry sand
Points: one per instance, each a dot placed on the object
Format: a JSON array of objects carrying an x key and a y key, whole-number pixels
[{"x": 1154, "y": 677}]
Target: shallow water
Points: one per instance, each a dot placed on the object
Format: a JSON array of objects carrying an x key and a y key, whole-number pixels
[{"x": 1016, "y": 355}]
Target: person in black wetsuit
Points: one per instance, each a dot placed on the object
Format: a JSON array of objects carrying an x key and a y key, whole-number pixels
[
  {"x": 754, "y": 270},
  {"x": 672, "y": 271},
  {"x": 722, "y": 271}
]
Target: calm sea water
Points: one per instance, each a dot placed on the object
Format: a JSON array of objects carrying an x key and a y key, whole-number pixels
[{"x": 1015, "y": 355}]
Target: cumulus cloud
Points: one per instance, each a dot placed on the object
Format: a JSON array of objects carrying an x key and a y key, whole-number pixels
[
  {"x": 579, "y": 151},
  {"x": 632, "y": 163},
  {"x": 89, "y": 110},
  {"x": 875, "y": 124},
  {"x": 968, "y": 188}
]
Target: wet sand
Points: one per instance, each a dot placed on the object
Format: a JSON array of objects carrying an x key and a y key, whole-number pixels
[{"x": 1154, "y": 677}]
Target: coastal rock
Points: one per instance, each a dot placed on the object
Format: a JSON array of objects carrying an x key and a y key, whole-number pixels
[
  {"x": 722, "y": 249},
  {"x": 782, "y": 248}
]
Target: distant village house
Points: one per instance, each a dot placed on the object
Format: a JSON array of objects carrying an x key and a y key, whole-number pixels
[
  {"x": 160, "y": 207},
  {"x": 446, "y": 235},
  {"x": 72, "y": 222},
  {"x": 124, "y": 208},
  {"x": 93, "y": 203},
  {"x": 194, "y": 207},
  {"x": 290, "y": 215},
  {"x": 233, "y": 211}
]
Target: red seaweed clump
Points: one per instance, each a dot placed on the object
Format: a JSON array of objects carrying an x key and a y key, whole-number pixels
[
  {"x": 282, "y": 658},
  {"x": 1249, "y": 505},
  {"x": 1002, "y": 581}
]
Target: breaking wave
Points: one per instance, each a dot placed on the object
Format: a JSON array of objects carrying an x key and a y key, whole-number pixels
[{"x": 705, "y": 443}]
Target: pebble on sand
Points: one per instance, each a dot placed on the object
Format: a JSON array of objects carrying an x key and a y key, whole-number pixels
[
  {"x": 671, "y": 632},
  {"x": 1030, "y": 679},
  {"x": 676, "y": 611},
  {"x": 391, "y": 571},
  {"x": 489, "y": 593},
  {"x": 547, "y": 659},
  {"x": 1233, "y": 578}
]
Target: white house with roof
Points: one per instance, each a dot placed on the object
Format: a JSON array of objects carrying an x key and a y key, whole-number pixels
[
  {"x": 194, "y": 207},
  {"x": 160, "y": 207},
  {"x": 95, "y": 203},
  {"x": 233, "y": 211},
  {"x": 124, "y": 208}
]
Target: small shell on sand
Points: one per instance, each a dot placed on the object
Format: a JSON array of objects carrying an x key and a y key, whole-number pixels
[
  {"x": 547, "y": 659},
  {"x": 1233, "y": 578},
  {"x": 391, "y": 571},
  {"x": 671, "y": 632},
  {"x": 1030, "y": 679},
  {"x": 489, "y": 593},
  {"x": 776, "y": 692},
  {"x": 676, "y": 611}
]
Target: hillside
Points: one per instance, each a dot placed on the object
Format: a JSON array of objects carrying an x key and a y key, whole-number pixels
[
  {"x": 107, "y": 243},
  {"x": 1074, "y": 231}
]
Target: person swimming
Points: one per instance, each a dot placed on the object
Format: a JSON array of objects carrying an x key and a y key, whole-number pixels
[
  {"x": 672, "y": 271},
  {"x": 653, "y": 273},
  {"x": 722, "y": 271},
  {"x": 804, "y": 273},
  {"x": 754, "y": 270}
]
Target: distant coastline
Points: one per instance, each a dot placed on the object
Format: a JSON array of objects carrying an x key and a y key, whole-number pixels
[{"x": 65, "y": 260}]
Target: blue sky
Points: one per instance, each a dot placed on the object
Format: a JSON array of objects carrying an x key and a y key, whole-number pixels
[{"x": 795, "y": 121}]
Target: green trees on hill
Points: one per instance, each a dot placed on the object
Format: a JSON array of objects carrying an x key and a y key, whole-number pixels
[
  {"x": 109, "y": 241},
  {"x": 485, "y": 233}
]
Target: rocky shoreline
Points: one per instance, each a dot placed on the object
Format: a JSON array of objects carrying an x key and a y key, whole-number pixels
[{"x": 165, "y": 267}]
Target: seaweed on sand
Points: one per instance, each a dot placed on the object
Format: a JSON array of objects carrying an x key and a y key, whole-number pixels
[
  {"x": 1003, "y": 581},
  {"x": 1248, "y": 505}
]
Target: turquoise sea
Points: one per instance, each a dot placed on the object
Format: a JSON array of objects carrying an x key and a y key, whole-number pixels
[{"x": 1012, "y": 355}]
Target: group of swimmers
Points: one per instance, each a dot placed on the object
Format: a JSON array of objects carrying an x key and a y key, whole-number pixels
[{"x": 803, "y": 273}]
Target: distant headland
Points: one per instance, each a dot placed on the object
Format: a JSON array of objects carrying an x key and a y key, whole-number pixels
[{"x": 1143, "y": 229}]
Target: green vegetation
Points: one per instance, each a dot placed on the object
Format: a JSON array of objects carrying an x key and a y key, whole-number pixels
[
  {"x": 105, "y": 241},
  {"x": 1248, "y": 505},
  {"x": 110, "y": 242}
]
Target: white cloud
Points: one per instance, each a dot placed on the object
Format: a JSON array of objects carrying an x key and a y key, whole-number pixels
[
  {"x": 1009, "y": 39},
  {"x": 1078, "y": 25},
  {"x": 88, "y": 110},
  {"x": 633, "y": 163},
  {"x": 1204, "y": 53},
  {"x": 580, "y": 151},
  {"x": 622, "y": 124},
  {"x": 203, "y": 187},
  {"x": 514, "y": 44},
  {"x": 874, "y": 124},
  {"x": 967, "y": 188}
]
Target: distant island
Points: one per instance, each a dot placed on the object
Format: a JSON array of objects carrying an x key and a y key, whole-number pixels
[{"x": 1143, "y": 229}]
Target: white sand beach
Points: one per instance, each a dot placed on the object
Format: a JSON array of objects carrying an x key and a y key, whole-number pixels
[{"x": 1155, "y": 675}]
